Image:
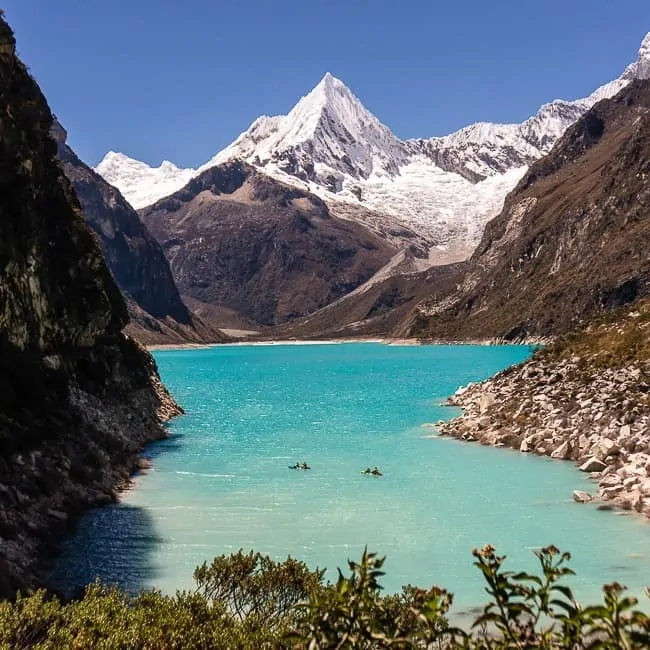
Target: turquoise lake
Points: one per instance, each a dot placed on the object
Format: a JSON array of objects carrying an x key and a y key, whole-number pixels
[{"x": 221, "y": 481}]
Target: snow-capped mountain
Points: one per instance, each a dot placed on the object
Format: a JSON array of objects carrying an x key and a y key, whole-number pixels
[
  {"x": 140, "y": 184},
  {"x": 327, "y": 137},
  {"x": 485, "y": 149},
  {"x": 444, "y": 188}
]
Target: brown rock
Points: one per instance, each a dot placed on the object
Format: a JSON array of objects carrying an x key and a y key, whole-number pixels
[
  {"x": 563, "y": 451},
  {"x": 581, "y": 497},
  {"x": 592, "y": 465}
]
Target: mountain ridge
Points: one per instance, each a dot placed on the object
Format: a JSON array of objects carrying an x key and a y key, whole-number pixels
[
  {"x": 134, "y": 257},
  {"x": 446, "y": 188},
  {"x": 238, "y": 239},
  {"x": 570, "y": 241}
]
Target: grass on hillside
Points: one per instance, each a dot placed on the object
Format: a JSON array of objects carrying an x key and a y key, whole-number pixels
[{"x": 615, "y": 339}]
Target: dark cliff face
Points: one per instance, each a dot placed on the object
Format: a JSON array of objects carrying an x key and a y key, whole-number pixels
[
  {"x": 131, "y": 253},
  {"x": 571, "y": 241},
  {"x": 44, "y": 259},
  {"x": 237, "y": 238},
  {"x": 78, "y": 399},
  {"x": 156, "y": 312},
  {"x": 133, "y": 256}
]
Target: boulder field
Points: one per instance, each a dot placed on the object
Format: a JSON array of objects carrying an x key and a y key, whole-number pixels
[{"x": 568, "y": 409}]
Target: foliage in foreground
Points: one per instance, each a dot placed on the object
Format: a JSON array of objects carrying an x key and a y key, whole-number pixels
[{"x": 248, "y": 601}]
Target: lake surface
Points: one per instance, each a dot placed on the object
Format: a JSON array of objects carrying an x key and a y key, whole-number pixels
[{"x": 221, "y": 481}]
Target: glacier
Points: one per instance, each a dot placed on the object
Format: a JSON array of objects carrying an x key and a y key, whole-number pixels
[{"x": 443, "y": 188}]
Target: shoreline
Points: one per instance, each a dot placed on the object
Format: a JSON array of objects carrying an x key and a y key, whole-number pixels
[
  {"x": 385, "y": 340},
  {"x": 140, "y": 471},
  {"x": 200, "y": 346},
  {"x": 567, "y": 410},
  {"x": 155, "y": 407},
  {"x": 180, "y": 346}
]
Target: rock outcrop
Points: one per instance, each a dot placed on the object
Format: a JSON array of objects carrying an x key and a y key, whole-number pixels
[
  {"x": 238, "y": 239},
  {"x": 78, "y": 398},
  {"x": 585, "y": 399}
]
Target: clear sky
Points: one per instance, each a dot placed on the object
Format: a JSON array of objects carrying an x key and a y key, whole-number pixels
[{"x": 178, "y": 80}]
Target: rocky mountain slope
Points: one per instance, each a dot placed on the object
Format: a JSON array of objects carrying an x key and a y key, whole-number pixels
[
  {"x": 78, "y": 399},
  {"x": 444, "y": 188},
  {"x": 238, "y": 239},
  {"x": 585, "y": 399},
  {"x": 134, "y": 257},
  {"x": 376, "y": 307},
  {"x": 570, "y": 241}
]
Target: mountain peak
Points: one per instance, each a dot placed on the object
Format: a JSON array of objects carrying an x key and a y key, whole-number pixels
[
  {"x": 327, "y": 136},
  {"x": 330, "y": 86},
  {"x": 118, "y": 158},
  {"x": 110, "y": 155},
  {"x": 640, "y": 69},
  {"x": 127, "y": 175},
  {"x": 329, "y": 79},
  {"x": 643, "y": 59},
  {"x": 329, "y": 99}
]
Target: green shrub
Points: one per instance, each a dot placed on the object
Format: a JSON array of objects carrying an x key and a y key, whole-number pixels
[{"x": 248, "y": 601}]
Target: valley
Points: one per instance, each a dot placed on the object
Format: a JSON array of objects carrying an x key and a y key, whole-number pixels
[
  {"x": 320, "y": 291},
  {"x": 428, "y": 199}
]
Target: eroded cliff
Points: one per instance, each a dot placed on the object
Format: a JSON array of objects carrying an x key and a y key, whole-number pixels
[{"x": 78, "y": 399}]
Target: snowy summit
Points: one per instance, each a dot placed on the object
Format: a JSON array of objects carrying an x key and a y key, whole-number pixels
[
  {"x": 140, "y": 184},
  {"x": 443, "y": 188},
  {"x": 328, "y": 131}
]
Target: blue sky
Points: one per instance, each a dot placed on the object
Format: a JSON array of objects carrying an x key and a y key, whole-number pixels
[{"x": 179, "y": 80}]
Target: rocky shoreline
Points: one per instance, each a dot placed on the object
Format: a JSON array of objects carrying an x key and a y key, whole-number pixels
[
  {"x": 45, "y": 488},
  {"x": 568, "y": 409},
  {"x": 79, "y": 399}
]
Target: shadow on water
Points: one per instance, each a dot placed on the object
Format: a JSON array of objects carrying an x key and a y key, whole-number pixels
[
  {"x": 171, "y": 444},
  {"x": 114, "y": 544}
]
